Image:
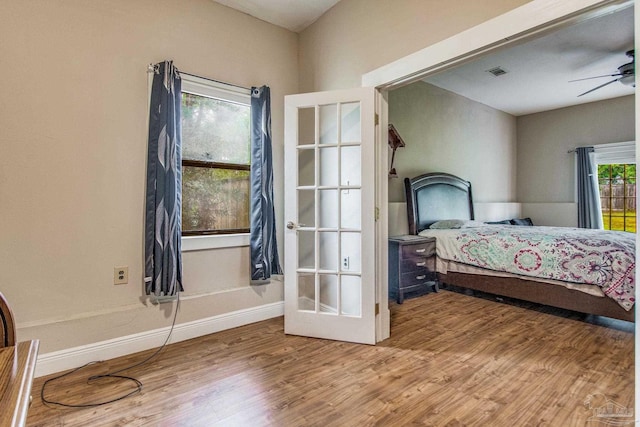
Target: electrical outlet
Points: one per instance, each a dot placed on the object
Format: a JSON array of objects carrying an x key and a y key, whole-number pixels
[
  {"x": 345, "y": 263},
  {"x": 120, "y": 275}
]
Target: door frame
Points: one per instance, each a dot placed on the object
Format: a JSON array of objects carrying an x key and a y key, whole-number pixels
[{"x": 521, "y": 24}]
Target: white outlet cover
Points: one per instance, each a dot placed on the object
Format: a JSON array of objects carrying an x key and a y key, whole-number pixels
[{"x": 120, "y": 275}]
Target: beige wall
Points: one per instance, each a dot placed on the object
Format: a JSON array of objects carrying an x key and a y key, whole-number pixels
[
  {"x": 358, "y": 36},
  {"x": 73, "y": 117},
  {"x": 546, "y": 172},
  {"x": 507, "y": 159},
  {"x": 445, "y": 132}
]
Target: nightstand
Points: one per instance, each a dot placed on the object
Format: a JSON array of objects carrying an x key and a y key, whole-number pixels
[{"x": 412, "y": 265}]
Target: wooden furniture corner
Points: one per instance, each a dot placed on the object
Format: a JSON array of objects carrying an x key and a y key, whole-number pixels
[
  {"x": 17, "y": 369},
  {"x": 7, "y": 324}
]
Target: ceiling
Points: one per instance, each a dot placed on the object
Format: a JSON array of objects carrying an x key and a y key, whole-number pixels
[
  {"x": 294, "y": 15},
  {"x": 538, "y": 72}
]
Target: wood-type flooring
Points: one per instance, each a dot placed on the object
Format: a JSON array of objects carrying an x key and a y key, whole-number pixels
[{"x": 452, "y": 360}]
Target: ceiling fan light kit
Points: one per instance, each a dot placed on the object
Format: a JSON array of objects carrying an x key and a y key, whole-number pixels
[
  {"x": 626, "y": 74},
  {"x": 628, "y": 80}
]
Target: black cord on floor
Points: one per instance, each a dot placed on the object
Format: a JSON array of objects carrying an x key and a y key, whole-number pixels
[{"x": 113, "y": 374}]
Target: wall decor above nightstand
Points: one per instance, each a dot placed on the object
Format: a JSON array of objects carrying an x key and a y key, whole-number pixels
[
  {"x": 412, "y": 266},
  {"x": 395, "y": 142}
]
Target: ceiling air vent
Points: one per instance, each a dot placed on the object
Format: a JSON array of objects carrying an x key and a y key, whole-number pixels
[{"x": 497, "y": 71}]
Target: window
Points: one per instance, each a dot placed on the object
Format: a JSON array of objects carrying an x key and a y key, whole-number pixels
[
  {"x": 216, "y": 155},
  {"x": 617, "y": 184}
]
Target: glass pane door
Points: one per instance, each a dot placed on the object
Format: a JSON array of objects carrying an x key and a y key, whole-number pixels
[
  {"x": 328, "y": 189},
  {"x": 329, "y": 206}
]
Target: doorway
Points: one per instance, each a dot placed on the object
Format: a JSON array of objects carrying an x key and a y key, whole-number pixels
[{"x": 527, "y": 22}]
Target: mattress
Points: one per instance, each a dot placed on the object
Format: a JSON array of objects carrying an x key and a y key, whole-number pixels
[{"x": 575, "y": 258}]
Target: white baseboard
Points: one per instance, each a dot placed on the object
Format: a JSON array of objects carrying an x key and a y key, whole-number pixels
[{"x": 73, "y": 357}]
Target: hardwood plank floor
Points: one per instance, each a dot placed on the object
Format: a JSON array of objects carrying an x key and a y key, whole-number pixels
[{"x": 452, "y": 360}]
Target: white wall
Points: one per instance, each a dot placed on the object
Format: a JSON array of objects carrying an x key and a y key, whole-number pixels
[
  {"x": 445, "y": 132},
  {"x": 73, "y": 117},
  {"x": 546, "y": 171},
  {"x": 552, "y": 214}
]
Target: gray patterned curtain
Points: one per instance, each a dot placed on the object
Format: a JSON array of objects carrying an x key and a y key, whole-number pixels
[
  {"x": 589, "y": 207},
  {"x": 264, "y": 249},
  {"x": 163, "y": 257}
]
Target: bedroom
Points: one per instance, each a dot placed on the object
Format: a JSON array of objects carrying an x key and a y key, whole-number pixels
[
  {"x": 521, "y": 159},
  {"x": 519, "y": 154},
  {"x": 69, "y": 223}
]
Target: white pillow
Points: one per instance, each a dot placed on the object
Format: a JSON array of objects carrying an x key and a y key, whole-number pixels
[{"x": 456, "y": 223}]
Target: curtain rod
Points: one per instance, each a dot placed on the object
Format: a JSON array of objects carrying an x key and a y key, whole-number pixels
[
  {"x": 575, "y": 150},
  {"x": 151, "y": 69},
  {"x": 610, "y": 145}
]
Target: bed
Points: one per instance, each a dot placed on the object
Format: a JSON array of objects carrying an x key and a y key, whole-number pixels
[{"x": 440, "y": 199}]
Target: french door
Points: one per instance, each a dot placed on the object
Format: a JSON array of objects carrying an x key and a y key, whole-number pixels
[{"x": 330, "y": 283}]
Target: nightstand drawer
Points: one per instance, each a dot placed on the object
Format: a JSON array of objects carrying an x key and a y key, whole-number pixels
[
  {"x": 419, "y": 250},
  {"x": 416, "y": 277},
  {"x": 415, "y": 264}
]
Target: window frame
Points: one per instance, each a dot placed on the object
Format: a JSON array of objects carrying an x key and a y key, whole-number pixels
[{"x": 203, "y": 239}]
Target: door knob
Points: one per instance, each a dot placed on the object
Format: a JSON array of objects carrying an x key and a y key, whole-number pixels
[{"x": 291, "y": 225}]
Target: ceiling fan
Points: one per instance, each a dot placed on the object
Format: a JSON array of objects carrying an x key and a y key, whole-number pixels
[{"x": 626, "y": 75}]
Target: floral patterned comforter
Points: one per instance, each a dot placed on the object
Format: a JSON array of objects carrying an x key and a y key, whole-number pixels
[{"x": 576, "y": 255}]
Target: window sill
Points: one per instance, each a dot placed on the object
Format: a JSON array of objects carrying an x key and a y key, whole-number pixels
[{"x": 201, "y": 243}]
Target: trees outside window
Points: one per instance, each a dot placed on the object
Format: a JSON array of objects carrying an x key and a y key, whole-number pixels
[
  {"x": 617, "y": 184},
  {"x": 215, "y": 159}
]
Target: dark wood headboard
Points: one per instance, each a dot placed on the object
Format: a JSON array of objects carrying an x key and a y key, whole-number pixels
[{"x": 437, "y": 196}]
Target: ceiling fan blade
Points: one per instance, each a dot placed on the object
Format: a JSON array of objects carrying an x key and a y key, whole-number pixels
[
  {"x": 598, "y": 87},
  {"x": 596, "y": 77}
]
